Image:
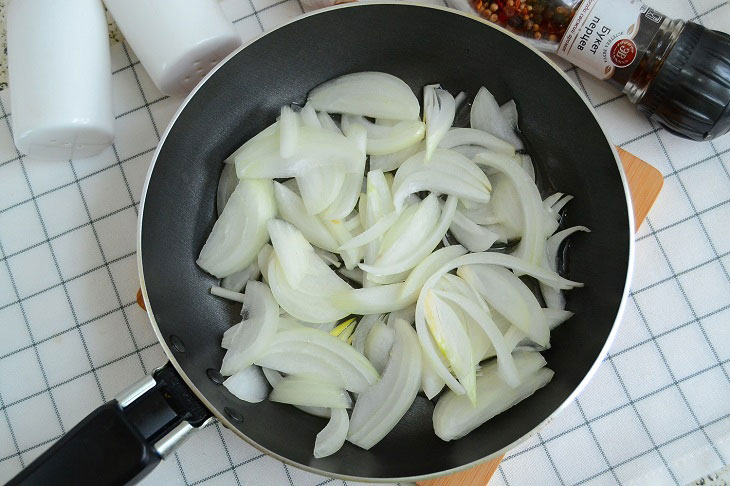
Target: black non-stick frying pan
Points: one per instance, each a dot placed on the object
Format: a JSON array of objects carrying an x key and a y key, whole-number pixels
[{"x": 422, "y": 45}]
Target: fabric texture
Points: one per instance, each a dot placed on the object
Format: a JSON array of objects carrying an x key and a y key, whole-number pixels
[{"x": 72, "y": 336}]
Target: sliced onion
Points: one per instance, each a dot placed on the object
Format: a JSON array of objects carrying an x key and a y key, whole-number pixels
[
  {"x": 342, "y": 235},
  {"x": 317, "y": 353},
  {"x": 330, "y": 439},
  {"x": 392, "y": 161},
  {"x": 507, "y": 207},
  {"x": 373, "y": 94},
  {"x": 439, "y": 108},
  {"x": 470, "y": 137},
  {"x": 408, "y": 230},
  {"x": 447, "y": 172},
  {"x": 309, "y": 116},
  {"x": 554, "y": 299},
  {"x": 326, "y": 121},
  {"x": 267, "y": 132},
  {"x": 248, "y": 385},
  {"x": 408, "y": 314},
  {"x": 309, "y": 392},
  {"x": 240, "y": 232},
  {"x": 428, "y": 266},
  {"x": 382, "y": 406},
  {"x": 320, "y": 187},
  {"x": 485, "y": 116},
  {"x": 556, "y": 317},
  {"x": 528, "y": 166},
  {"x": 539, "y": 331},
  {"x": 315, "y": 148},
  {"x": 228, "y": 335},
  {"x": 383, "y": 140},
  {"x": 227, "y": 294},
  {"x": 451, "y": 338},
  {"x": 455, "y": 416},
  {"x": 237, "y": 281},
  {"x": 304, "y": 269},
  {"x": 274, "y": 377},
  {"x": 508, "y": 111},
  {"x": 532, "y": 244},
  {"x": 346, "y": 199},
  {"x": 288, "y": 132},
  {"x": 328, "y": 257},
  {"x": 378, "y": 344},
  {"x": 354, "y": 274},
  {"x": 431, "y": 382},
  {"x": 262, "y": 260},
  {"x": 475, "y": 238},
  {"x": 480, "y": 343},
  {"x": 392, "y": 266},
  {"x": 507, "y": 369},
  {"x": 305, "y": 307},
  {"x": 256, "y": 332},
  {"x": 480, "y": 214},
  {"x": 509, "y": 296},
  {"x": 292, "y": 209},
  {"x": 488, "y": 258},
  {"x": 372, "y": 233},
  {"x": 226, "y": 185},
  {"x": 360, "y": 335}
]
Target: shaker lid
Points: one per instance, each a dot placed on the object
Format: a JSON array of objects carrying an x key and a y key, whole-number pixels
[{"x": 690, "y": 95}]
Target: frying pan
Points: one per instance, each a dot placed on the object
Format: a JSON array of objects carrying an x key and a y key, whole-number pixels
[{"x": 125, "y": 438}]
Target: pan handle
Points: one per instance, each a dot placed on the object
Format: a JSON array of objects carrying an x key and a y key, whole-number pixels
[{"x": 124, "y": 439}]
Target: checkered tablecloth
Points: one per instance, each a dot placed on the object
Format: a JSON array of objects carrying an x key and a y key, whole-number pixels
[{"x": 72, "y": 336}]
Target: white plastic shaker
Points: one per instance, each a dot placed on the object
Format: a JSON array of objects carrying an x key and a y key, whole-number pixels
[
  {"x": 177, "y": 41},
  {"x": 60, "y": 78}
]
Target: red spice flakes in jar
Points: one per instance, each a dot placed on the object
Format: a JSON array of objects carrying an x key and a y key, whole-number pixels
[{"x": 538, "y": 19}]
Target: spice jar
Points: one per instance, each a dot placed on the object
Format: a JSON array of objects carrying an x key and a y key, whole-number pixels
[{"x": 677, "y": 72}]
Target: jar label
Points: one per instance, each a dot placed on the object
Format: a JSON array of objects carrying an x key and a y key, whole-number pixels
[{"x": 607, "y": 38}]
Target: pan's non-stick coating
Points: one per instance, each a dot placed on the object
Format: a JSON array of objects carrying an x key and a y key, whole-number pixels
[{"x": 421, "y": 45}]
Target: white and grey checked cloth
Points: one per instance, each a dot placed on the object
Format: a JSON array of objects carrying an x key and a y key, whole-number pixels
[{"x": 72, "y": 336}]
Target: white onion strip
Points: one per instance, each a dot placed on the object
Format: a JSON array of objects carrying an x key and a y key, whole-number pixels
[
  {"x": 380, "y": 408},
  {"x": 330, "y": 439}
]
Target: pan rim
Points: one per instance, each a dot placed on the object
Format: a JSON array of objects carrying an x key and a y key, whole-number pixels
[{"x": 578, "y": 389}]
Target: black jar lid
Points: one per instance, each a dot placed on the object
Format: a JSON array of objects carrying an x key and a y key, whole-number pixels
[{"x": 690, "y": 95}]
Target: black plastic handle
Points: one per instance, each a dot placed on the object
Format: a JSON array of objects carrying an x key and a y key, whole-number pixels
[{"x": 116, "y": 445}]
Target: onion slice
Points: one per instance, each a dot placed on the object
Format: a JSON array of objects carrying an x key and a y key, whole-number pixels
[
  {"x": 240, "y": 232},
  {"x": 256, "y": 332},
  {"x": 314, "y": 352},
  {"x": 382, "y": 406},
  {"x": 378, "y": 344},
  {"x": 486, "y": 116},
  {"x": 389, "y": 265},
  {"x": 455, "y": 416},
  {"x": 373, "y": 94},
  {"x": 315, "y": 148},
  {"x": 292, "y": 209},
  {"x": 288, "y": 131},
  {"x": 330, "y": 439},
  {"x": 439, "y": 108},
  {"x": 307, "y": 391},
  {"x": 447, "y": 172},
  {"x": 226, "y": 185},
  {"x": 274, "y": 377},
  {"x": 237, "y": 281},
  {"x": 470, "y": 137},
  {"x": 532, "y": 244},
  {"x": 386, "y": 140},
  {"x": 554, "y": 299},
  {"x": 452, "y": 340},
  {"x": 248, "y": 385}
]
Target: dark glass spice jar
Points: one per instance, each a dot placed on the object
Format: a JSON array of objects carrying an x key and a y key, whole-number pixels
[{"x": 677, "y": 72}]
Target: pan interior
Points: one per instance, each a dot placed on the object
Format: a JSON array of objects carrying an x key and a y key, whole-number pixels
[{"x": 420, "y": 45}]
